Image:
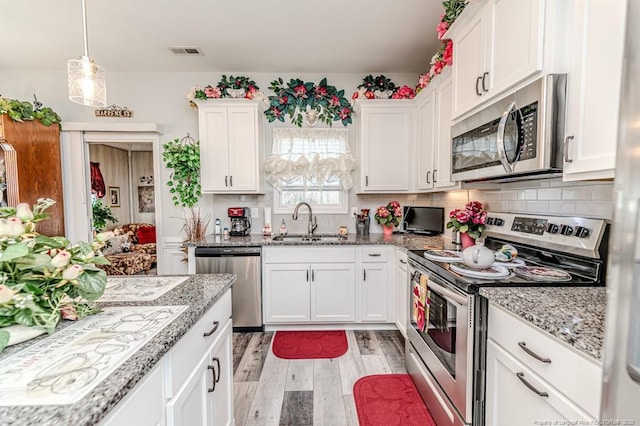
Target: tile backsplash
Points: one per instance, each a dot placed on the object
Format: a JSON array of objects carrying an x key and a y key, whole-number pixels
[{"x": 549, "y": 196}]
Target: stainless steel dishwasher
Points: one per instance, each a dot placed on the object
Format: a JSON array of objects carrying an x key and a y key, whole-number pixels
[{"x": 246, "y": 292}]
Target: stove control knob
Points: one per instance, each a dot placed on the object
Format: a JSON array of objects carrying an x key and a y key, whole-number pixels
[
  {"x": 566, "y": 230},
  {"x": 498, "y": 222},
  {"x": 552, "y": 228},
  {"x": 582, "y": 232},
  {"x": 490, "y": 221}
]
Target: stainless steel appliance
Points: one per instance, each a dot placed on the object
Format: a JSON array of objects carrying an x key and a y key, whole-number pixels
[
  {"x": 621, "y": 355},
  {"x": 446, "y": 329},
  {"x": 240, "y": 222},
  {"x": 246, "y": 292},
  {"x": 519, "y": 136}
]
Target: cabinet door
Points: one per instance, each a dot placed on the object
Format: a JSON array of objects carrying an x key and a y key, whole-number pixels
[
  {"x": 374, "y": 292},
  {"x": 214, "y": 148},
  {"x": 191, "y": 404},
  {"x": 222, "y": 394},
  {"x": 469, "y": 66},
  {"x": 333, "y": 292},
  {"x": 402, "y": 300},
  {"x": 243, "y": 149},
  {"x": 426, "y": 139},
  {"x": 594, "y": 89},
  {"x": 515, "y": 42},
  {"x": 287, "y": 293},
  {"x": 386, "y": 135},
  {"x": 442, "y": 147},
  {"x": 506, "y": 378},
  {"x": 172, "y": 262}
]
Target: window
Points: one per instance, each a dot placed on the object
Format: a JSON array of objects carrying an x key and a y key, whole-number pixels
[{"x": 311, "y": 165}]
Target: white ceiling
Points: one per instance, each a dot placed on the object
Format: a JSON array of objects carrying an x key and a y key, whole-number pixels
[{"x": 328, "y": 36}]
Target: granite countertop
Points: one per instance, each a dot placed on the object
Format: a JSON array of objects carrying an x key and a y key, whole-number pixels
[
  {"x": 405, "y": 241},
  {"x": 573, "y": 315},
  {"x": 199, "y": 293}
]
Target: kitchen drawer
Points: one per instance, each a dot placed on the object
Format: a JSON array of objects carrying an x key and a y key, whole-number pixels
[
  {"x": 576, "y": 375},
  {"x": 181, "y": 359},
  {"x": 374, "y": 253},
  {"x": 308, "y": 254},
  {"x": 401, "y": 259}
]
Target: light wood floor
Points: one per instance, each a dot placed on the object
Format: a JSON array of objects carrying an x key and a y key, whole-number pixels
[{"x": 273, "y": 391}]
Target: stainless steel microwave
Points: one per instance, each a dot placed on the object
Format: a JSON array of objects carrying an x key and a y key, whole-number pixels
[{"x": 518, "y": 137}]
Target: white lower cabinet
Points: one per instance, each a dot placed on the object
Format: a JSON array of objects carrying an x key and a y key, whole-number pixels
[
  {"x": 328, "y": 284},
  {"x": 534, "y": 377}
]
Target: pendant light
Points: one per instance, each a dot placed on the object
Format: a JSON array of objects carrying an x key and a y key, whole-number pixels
[{"x": 87, "y": 84}]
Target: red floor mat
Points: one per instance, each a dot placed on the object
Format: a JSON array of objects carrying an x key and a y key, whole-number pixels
[
  {"x": 390, "y": 399},
  {"x": 309, "y": 344}
]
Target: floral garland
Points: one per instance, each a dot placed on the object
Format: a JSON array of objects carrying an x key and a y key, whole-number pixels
[
  {"x": 299, "y": 99},
  {"x": 444, "y": 56},
  {"x": 231, "y": 87},
  {"x": 381, "y": 87}
]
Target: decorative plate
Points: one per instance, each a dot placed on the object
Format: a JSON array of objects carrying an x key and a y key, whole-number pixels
[
  {"x": 443, "y": 255},
  {"x": 513, "y": 263},
  {"x": 542, "y": 273},
  {"x": 494, "y": 271}
]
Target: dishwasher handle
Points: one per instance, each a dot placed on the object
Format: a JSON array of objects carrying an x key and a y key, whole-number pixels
[{"x": 227, "y": 251}]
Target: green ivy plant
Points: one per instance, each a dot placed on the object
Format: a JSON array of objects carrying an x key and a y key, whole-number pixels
[
  {"x": 101, "y": 215},
  {"x": 25, "y": 111},
  {"x": 184, "y": 183}
]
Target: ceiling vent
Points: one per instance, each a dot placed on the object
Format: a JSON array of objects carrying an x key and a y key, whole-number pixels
[{"x": 186, "y": 50}]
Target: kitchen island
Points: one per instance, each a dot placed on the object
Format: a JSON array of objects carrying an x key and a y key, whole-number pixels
[{"x": 198, "y": 295}]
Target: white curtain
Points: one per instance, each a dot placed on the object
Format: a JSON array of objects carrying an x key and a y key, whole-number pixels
[{"x": 310, "y": 157}]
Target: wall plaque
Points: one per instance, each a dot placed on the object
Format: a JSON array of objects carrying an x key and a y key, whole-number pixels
[{"x": 114, "y": 111}]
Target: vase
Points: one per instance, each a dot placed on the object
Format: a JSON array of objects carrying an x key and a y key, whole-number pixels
[
  {"x": 467, "y": 241},
  {"x": 387, "y": 229}
]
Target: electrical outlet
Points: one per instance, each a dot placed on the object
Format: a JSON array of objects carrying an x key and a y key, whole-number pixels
[{"x": 354, "y": 211}]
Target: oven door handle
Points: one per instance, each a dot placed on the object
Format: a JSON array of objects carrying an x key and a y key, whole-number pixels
[
  {"x": 447, "y": 293},
  {"x": 502, "y": 128}
]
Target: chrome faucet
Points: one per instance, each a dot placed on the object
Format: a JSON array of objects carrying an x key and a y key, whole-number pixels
[{"x": 312, "y": 224}]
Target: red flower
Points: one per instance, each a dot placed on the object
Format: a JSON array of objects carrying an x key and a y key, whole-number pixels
[
  {"x": 404, "y": 92},
  {"x": 442, "y": 28},
  {"x": 369, "y": 95},
  {"x": 355, "y": 95},
  {"x": 320, "y": 92},
  {"x": 276, "y": 111},
  {"x": 438, "y": 66},
  {"x": 447, "y": 56},
  {"x": 345, "y": 112},
  {"x": 283, "y": 100},
  {"x": 300, "y": 91},
  {"x": 334, "y": 101}
]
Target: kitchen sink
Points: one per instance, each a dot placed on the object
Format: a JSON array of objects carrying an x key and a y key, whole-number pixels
[{"x": 309, "y": 238}]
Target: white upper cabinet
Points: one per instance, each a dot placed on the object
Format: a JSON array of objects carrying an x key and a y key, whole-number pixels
[
  {"x": 433, "y": 146},
  {"x": 594, "y": 89},
  {"x": 231, "y": 149},
  {"x": 500, "y": 43},
  {"x": 386, "y": 132}
]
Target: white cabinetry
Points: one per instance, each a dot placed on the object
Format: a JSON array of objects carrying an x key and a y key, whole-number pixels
[
  {"x": 202, "y": 395},
  {"x": 402, "y": 292},
  {"x": 434, "y": 136},
  {"x": 386, "y": 133},
  {"x": 594, "y": 89},
  {"x": 231, "y": 150},
  {"x": 314, "y": 284},
  {"x": 499, "y": 43},
  {"x": 376, "y": 292},
  {"x": 550, "y": 380},
  {"x": 173, "y": 256}
]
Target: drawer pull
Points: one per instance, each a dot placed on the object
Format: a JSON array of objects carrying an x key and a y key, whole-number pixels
[
  {"x": 520, "y": 375},
  {"x": 524, "y": 347},
  {"x": 216, "y": 324},
  {"x": 213, "y": 378},
  {"x": 216, "y": 376},
  {"x": 375, "y": 254},
  {"x": 478, "y": 82}
]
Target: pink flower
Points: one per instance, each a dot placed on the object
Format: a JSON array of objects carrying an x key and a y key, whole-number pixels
[
  {"x": 320, "y": 92},
  {"x": 394, "y": 205},
  {"x": 383, "y": 212},
  {"x": 447, "y": 56},
  {"x": 69, "y": 312},
  {"x": 404, "y": 92},
  {"x": 61, "y": 259},
  {"x": 300, "y": 91},
  {"x": 334, "y": 101},
  {"x": 438, "y": 66},
  {"x": 441, "y": 29},
  {"x": 23, "y": 211},
  {"x": 72, "y": 272},
  {"x": 276, "y": 111},
  {"x": 355, "y": 95},
  {"x": 344, "y": 113},
  {"x": 283, "y": 100},
  {"x": 397, "y": 212},
  {"x": 11, "y": 227},
  {"x": 212, "y": 92}
]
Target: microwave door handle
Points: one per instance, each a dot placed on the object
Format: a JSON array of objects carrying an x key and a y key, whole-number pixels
[{"x": 502, "y": 152}]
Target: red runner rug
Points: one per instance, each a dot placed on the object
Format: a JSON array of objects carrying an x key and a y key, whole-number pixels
[
  {"x": 309, "y": 344},
  {"x": 390, "y": 399}
]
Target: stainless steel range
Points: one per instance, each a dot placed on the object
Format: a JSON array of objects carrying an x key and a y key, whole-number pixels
[{"x": 446, "y": 330}]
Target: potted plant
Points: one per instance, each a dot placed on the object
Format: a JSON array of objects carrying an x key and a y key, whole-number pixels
[
  {"x": 183, "y": 156},
  {"x": 101, "y": 215},
  {"x": 389, "y": 216},
  {"x": 468, "y": 221}
]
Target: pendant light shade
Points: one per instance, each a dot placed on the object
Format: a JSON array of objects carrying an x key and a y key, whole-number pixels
[{"x": 86, "y": 80}]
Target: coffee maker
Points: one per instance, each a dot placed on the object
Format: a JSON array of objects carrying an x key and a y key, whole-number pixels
[{"x": 240, "y": 223}]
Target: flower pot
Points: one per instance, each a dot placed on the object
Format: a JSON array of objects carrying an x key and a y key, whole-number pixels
[
  {"x": 388, "y": 229},
  {"x": 467, "y": 241}
]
